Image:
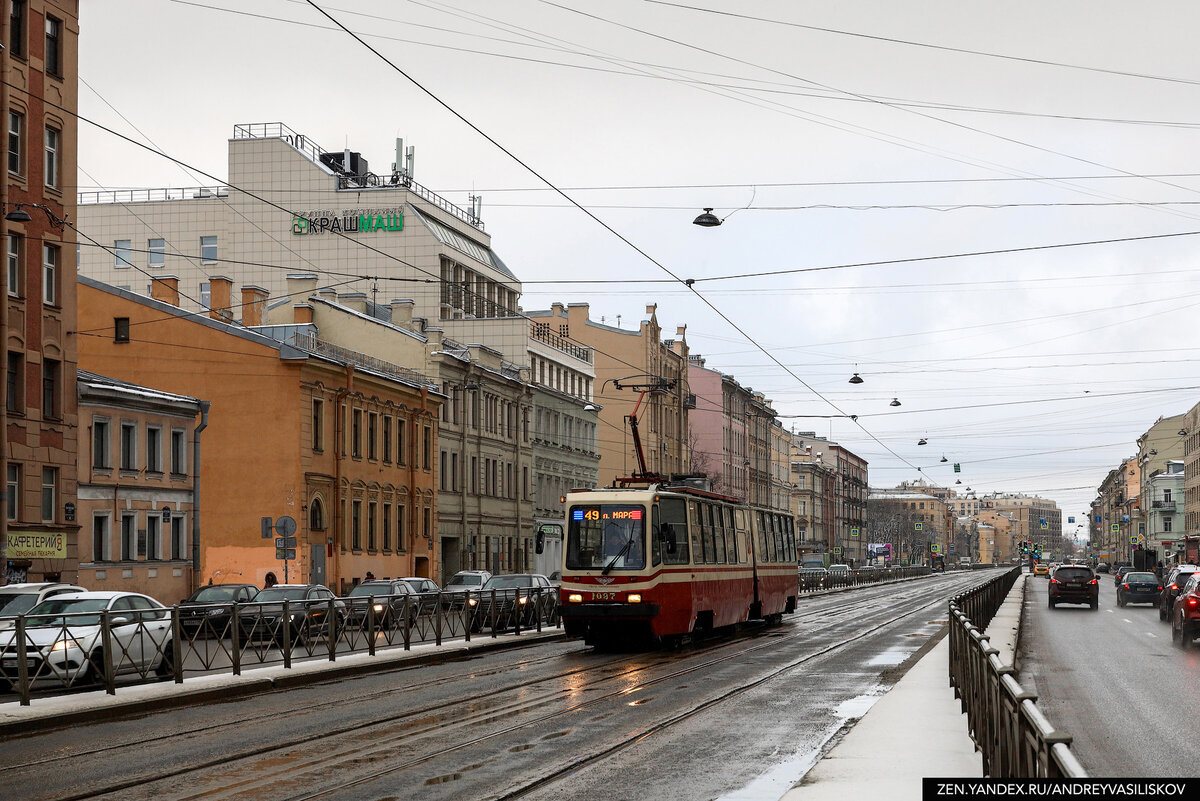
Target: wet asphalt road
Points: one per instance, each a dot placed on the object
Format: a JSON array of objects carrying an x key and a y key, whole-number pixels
[
  {"x": 736, "y": 717},
  {"x": 1113, "y": 680}
]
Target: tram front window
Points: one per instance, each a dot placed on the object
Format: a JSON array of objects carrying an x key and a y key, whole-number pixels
[{"x": 606, "y": 537}]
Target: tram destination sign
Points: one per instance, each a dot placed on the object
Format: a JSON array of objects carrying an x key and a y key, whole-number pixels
[{"x": 347, "y": 221}]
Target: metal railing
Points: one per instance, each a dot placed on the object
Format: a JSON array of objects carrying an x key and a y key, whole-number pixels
[
  {"x": 98, "y": 649},
  {"x": 1015, "y": 738},
  {"x": 813, "y": 581}
]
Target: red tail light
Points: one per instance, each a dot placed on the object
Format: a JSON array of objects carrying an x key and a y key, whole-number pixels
[
  {"x": 1191, "y": 601},
  {"x": 1174, "y": 586},
  {"x": 1160, "y": 589},
  {"x": 1053, "y": 581},
  {"x": 1126, "y": 586}
]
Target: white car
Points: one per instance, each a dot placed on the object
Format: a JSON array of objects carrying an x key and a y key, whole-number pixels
[
  {"x": 18, "y": 599},
  {"x": 64, "y": 640}
]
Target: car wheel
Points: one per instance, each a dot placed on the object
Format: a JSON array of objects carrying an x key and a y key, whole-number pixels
[
  {"x": 1051, "y": 603},
  {"x": 1120, "y": 601},
  {"x": 1186, "y": 635},
  {"x": 1162, "y": 613},
  {"x": 165, "y": 669},
  {"x": 1096, "y": 603},
  {"x": 94, "y": 672},
  {"x": 1174, "y": 633}
]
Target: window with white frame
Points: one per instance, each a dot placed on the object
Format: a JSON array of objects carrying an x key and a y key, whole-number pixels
[
  {"x": 208, "y": 250},
  {"x": 53, "y": 145},
  {"x": 49, "y": 494},
  {"x": 101, "y": 448},
  {"x": 16, "y": 139},
  {"x": 206, "y": 294},
  {"x": 122, "y": 251},
  {"x": 14, "y": 491},
  {"x": 50, "y": 274},
  {"x": 156, "y": 253},
  {"x": 16, "y": 249}
]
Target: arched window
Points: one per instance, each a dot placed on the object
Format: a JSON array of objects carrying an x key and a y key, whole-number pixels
[{"x": 316, "y": 515}]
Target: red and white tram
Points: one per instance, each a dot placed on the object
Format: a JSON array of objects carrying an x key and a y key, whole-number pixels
[{"x": 672, "y": 559}]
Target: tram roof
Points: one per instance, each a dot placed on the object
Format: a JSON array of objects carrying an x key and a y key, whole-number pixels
[{"x": 678, "y": 489}]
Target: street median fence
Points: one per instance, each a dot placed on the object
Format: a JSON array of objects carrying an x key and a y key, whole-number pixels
[
  {"x": 99, "y": 649},
  {"x": 811, "y": 581},
  {"x": 1014, "y": 737}
]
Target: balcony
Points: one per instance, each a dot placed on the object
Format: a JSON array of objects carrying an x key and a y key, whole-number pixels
[{"x": 1169, "y": 505}]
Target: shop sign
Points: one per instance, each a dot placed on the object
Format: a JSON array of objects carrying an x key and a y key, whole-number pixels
[
  {"x": 37, "y": 545},
  {"x": 347, "y": 221}
]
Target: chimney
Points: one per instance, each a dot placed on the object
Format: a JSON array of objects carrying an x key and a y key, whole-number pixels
[
  {"x": 221, "y": 299},
  {"x": 402, "y": 311},
  {"x": 557, "y": 310},
  {"x": 651, "y": 308},
  {"x": 165, "y": 288},
  {"x": 300, "y": 286},
  {"x": 434, "y": 337},
  {"x": 680, "y": 331},
  {"x": 302, "y": 313},
  {"x": 354, "y": 300},
  {"x": 254, "y": 305}
]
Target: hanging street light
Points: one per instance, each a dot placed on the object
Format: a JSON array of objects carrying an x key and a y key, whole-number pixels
[
  {"x": 856, "y": 379},
  {"x": 895, "y": 402},
  {"x": 707, "y": 220}
]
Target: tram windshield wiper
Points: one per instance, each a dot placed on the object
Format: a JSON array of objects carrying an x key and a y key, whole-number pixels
[{"x": 624, "y": 549}]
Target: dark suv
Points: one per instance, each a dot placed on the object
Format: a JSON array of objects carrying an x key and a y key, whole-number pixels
[
  {"x": 1074, "y": 584},
  {"x": 1174, "y": 582},
  {"x": 1185, "y": 614}
]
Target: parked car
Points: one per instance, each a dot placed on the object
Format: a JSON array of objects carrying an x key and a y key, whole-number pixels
[
  {"x": 1074, "y": 584},
  {"x": 1139, "y": 588},
  {"x": 208, "y": 610},
  {"x": 1171, "y": 587},
  {"x": 308, "y": 612},
  {"x": 393, "y": 599},
  {"x": 428, "y": 590},
  {"x": 18, "y": 599},
  {"x": 1185, "y": 612},
  {"x": 64, "y": 642},
  {"x": 516, "y": 598},
  {"x": 462, "y": 583}
]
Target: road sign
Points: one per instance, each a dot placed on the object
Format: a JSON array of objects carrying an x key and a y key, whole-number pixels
[
  {"x": 933, "y": 547},
  {"x": 285, "y": 526},
  {"x": 952, "y": 547},
  {"x": 1115, "y": 527},
  {"x": 1137, "y": 539},
  {"x": 284, "y": 554},
  {"x": 837, "y": 550},
  {"x": 68, "y": 512},
  {"x": 919, "y": 526},
  {"x": 853, "y": 532},
  {"x": 265, "y": 525},
  {"x": 1045, "y": 526},
  {"x": 957, "y": 467},
  {"x": 285, "y": 542}
]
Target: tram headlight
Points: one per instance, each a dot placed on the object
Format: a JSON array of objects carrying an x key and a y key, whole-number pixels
[
  {"x": 634, "y": 598},
  {"x": 575, "y": 598}
]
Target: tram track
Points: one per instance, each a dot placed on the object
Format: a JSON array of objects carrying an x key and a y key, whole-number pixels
[{"x": 353, "y": 758}]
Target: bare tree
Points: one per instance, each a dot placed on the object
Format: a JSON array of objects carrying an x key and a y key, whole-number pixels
[{"x": 702, "y": 461}]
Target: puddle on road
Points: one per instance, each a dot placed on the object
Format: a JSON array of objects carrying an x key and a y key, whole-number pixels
[
  {"x": 892, "y": 656},
  {"x": 772, "y": 785}
]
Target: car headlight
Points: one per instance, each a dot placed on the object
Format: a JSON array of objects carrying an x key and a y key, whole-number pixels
[
  {"x": 634, "y": 598},
  {"x": 61, "y": 645},
  {"x": 378, "y": 608},
  {"x": 472, "y": 601},
  {"x": 523, "y": 600},
  {"x": 214, "y": 611}
]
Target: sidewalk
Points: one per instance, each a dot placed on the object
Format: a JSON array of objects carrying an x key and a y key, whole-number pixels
[{"x": 917, "y": 729}]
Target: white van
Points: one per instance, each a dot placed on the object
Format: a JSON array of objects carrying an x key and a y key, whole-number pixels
[{"x": 964, "y": 561}]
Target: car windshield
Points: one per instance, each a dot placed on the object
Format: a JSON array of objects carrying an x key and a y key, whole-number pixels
[
  {"x": 508, "y": 582},
  {"x": 374, "y": 589},
  {"x": 74, "y": 611},
  {"x": 1073, "y": 573},
  {"x": 17, "y": 603},
  {"x": 466, "y": 581},
  {"x": 213, "y": 595},
  {"x": 1149, "y": 577},
  {"x": 280, "y": 594}
]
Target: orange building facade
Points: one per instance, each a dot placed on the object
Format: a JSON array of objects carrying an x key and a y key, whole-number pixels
[{"x": 347, "y": 452}]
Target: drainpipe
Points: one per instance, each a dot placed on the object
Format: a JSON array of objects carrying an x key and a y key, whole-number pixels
[
  {"x": 338, "y": 441},
  {"x": 204, "y": 406},
  {"x": 4, "y": 499}
]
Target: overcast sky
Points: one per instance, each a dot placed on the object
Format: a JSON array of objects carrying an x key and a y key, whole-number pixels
[{"x": 832, "y": 135}]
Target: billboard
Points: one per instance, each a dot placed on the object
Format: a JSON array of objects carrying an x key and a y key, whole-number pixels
[{"x": 879, "y": 550}]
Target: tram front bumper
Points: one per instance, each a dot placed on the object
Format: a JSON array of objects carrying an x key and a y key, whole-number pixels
[{"x": 607, "y": 611}]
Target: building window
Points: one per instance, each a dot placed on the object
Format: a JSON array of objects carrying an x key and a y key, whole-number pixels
[
  {"x": 16, "y": 248},
  {"x": 120, "y": 329},
  {"x": 386, "y": 526},
  {"x": 14, "y": 490},
  {"x": 153, "y": 449},
  {"x": 53, "y": 144},
  {"x": 206, "y": 294},
  {"x": 129, "y": 446},
  {"x": 16, "y": 140},
  {"x": 51, "y": 375},
  {"x": 14, "y": 380},
  {"x": 318, "y": 425},
  {"x": 178, "y": 538},
  {"x": 400, "y": 540},
  {"x": 443, "y": 464},
  {"x": 157, "y": 253},
  {"x": 387, "y": 440},
  {"x": 356, "y": 434},
  {"x": 53, "y": 46},
  {"x": 128, "y": 537},
  {"x": 454, "y": 472},
  {"x": 101, "y": 453},
  {"x": 100, "y": 541},
  {"x": 16, "y": 28},
  {"x": 122, "y": 249},
  {"x": 1166, "y": 524},
  {"x": 316, "y": 515},
  {"x": 153, "y": 537},
  {"x": 401, "y": 457},
  {"x": 49, "y": 494},
  {"x": 426, "y": 447},
  {"x": 208, "y": 250},
  {"x": 372, "y": 432},
  {"x": 356, "y": 526},
  {"x": 50, "y": 274},
  {"x": 426, "y": 521},
  {"x": 371, "y": 520},
  {"x": 178, "y": 452}
]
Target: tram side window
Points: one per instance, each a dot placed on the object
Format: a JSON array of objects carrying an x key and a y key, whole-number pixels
[
  {"x": 791, "y": 534},
  {"x": 719, "y": 534},
  {"x": 694, "y": 518},
  {"x": 760, "y": 541},
  {"x": 656, "y": 545},
  {"x": 779, "y": 551},
  {"x": 710, "y": 536},
  {"x": 737, "y": 522},
  {"x": 673, "y": 527}
]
